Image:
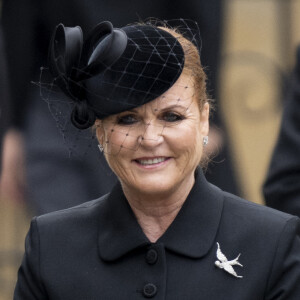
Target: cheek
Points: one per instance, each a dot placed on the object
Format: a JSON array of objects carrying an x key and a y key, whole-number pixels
[
  {"x": 118, "y": 149},
  {"x": 194, "y": 148},
  {"x": 118, "y": 139},
  {"x": 185, "y": 141},
  {"x": 118, "y": 161},
  {"x": 114, "y": 140}
]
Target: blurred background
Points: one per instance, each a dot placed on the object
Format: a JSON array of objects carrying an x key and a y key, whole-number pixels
[{"x": 248, "y": 49}]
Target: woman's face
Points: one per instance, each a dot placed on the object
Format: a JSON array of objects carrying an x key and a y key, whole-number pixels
[{"x": 156, "y": 148}]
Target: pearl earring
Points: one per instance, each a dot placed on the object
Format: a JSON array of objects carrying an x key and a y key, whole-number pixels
[
  {"x": 205, "y": 140},
  {"x": 100, "y": 147}
]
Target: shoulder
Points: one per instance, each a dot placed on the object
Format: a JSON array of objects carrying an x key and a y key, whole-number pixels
[
  {"x": 87, "y": 211},
  {"x": 268, "y": 242},
  {"x": 247, "y": 221},
  {"x": 240, "y": 208},
  {"x": 73, "y": 228},
  {"x": 258, "y": 227}
]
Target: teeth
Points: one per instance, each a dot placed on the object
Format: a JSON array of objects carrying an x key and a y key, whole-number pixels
[{"x": 151, "y": 161}]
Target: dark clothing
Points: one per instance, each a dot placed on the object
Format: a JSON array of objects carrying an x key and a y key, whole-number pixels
[
  {"x": 282, "y": 187},
  {"x": 98, "y": 251},
  {"x": 57, "y": 180},
  {"x": 5, "y": 109}
]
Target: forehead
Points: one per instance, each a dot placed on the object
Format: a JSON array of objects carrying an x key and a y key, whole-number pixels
[{"x": 181, "y": 94}]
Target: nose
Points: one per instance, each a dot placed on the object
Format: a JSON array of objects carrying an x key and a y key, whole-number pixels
[{"x": 152, "y": 137}]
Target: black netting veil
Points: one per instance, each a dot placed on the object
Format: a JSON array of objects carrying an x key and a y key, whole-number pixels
[{"x": 111, "y": 71}]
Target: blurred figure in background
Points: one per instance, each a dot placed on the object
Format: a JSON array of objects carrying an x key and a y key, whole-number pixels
[
  {"x": 9, "y": 147},
  {"x": 282, "y": 187},
  {"x": 4, "y": 103},
  {"x": 52, "y": 176}
]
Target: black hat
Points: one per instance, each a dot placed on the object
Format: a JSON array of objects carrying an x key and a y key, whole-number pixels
[{"x": 113, "y": 70}]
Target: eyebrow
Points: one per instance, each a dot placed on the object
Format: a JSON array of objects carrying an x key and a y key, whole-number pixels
[
  {"x": 134, "y": 110},
  {"x": 173, "y": 106}
]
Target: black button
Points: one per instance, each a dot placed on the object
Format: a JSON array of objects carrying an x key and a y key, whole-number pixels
[
  {"x": 149, "y": 290},
  {"x": 151, "y": 256}
]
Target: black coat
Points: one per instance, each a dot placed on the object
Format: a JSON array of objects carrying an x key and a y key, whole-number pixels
[
  {"x": 98, "y": 251},
  {"x": 282, "y": 187}
]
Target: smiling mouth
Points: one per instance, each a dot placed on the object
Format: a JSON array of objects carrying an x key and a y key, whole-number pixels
[{"x": 151, "y": 161}]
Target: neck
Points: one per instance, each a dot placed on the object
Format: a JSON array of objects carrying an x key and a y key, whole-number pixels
[{"x": 156, "y": 211}]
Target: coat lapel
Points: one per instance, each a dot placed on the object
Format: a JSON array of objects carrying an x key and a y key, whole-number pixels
[
  {"x": 192, "y": 233},
  {"x": 119, "y": 231},
  {"x": 194, "y": 230}
]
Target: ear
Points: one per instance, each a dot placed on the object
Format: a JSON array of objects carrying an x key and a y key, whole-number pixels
[
  {"x": 204, "y": 119},
  {"x": 99, "y": 131}
]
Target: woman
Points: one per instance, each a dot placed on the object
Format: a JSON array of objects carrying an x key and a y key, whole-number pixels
[{"x": 163, "y": 232}]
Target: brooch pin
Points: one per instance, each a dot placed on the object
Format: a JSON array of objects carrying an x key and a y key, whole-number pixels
[{"x": 225, "y": 264}]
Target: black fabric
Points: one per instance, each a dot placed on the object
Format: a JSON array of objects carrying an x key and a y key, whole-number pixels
[
  {"x": 282, "y": 186},
  {"x": 153, "y": 60},
  {"x": 98, "y": 249}
]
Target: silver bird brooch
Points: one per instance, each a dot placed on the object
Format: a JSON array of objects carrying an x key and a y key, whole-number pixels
[{"x": 225, "y": 264}]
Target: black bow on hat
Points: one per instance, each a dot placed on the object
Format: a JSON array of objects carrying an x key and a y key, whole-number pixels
[{"x": 114, "y": 70}]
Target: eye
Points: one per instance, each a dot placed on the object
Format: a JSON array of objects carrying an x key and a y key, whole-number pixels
[
  {"x": 172, "y": 117},
  {"x": 127, "y": 119}
]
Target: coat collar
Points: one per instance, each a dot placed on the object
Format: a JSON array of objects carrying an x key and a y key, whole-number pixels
[{"x": 192, "y": 233}]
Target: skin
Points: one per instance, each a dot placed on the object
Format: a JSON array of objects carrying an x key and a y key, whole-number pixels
[{"x": 170, "y": 128}]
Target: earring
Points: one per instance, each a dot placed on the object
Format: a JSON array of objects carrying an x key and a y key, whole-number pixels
[
  {"x": 100, "y": 147},
  {"x": 205, "y": 140}
]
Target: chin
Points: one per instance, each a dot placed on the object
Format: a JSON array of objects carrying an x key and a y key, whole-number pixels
[
  {"x": 156, "y": 187},
  {"x": 156, "y": 190}
]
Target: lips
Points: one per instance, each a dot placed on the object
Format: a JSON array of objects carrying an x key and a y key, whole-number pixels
[{"x": 151, "y": 161}]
